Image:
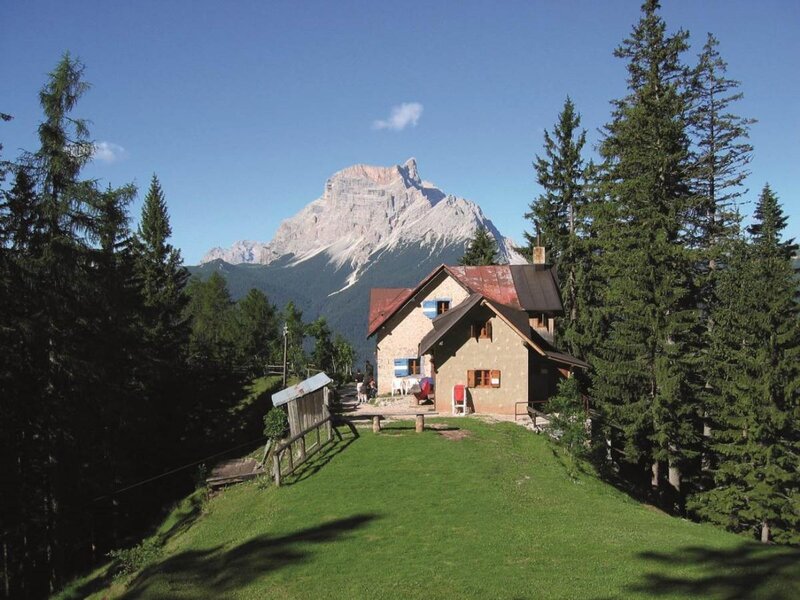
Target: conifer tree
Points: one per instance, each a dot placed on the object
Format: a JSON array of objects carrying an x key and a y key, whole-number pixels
[
  {"x": 161, "y": 277},
  {"x": 295, "y": 354},
  {"x": 558, "y": 216},
  {"x": 481, "y": 249},
  {"x": 209, "y": 309},
  {"x": 644, "y": 377},
  {"x": 256, "y": 336},
  {"x": 721, "y": 150},
  {"x": 323, "y": 353},
  {"x": 755, "y": 384}
]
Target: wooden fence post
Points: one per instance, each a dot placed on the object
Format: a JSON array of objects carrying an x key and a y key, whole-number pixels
[
  {"x": 376, "y": 424},
  {"x": 420, "y": 423},
  {"x": 276, "y": 458}
]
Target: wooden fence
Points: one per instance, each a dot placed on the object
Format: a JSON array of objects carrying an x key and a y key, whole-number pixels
[{"x": 296, "y": 449}]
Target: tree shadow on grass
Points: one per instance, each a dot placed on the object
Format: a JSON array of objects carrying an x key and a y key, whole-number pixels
[
  {"x": 217, "y": 572},
  {"x": 747, "y": 572}
]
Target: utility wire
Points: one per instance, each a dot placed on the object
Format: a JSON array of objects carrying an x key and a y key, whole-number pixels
[{"x": 192, "y": 464}]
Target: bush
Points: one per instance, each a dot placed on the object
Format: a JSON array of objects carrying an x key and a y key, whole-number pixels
[
  {"x": 568, "y": 418},
  {"x": 133, "y": 560},
  {"x": 275, "y": 424}
]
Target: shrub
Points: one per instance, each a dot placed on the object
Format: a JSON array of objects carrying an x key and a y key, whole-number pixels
[
  {"x": 132, "y": 560},
  {"x": 275, "y": 424},
  {"x": 568, "y": 418}
]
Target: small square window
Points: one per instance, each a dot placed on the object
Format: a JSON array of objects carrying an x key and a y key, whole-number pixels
[
  {"x": 483, "y": 378},
  {"x": 442, "y": 306}
]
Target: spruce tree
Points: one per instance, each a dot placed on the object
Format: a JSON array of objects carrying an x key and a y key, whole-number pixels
[
  {"x": 644, "y": 370},
  {"x": 558, "y": 216},
  {"x": 161, "y": 278},
  {"x": 755, "y": 384},
  {"x": 481, "y": 249},
  {"x": 721, "y": 151}
]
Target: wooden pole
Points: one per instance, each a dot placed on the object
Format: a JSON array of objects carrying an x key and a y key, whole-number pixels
[
  {"x": 276, "y": 458},
  {"x": 376, "y": 424},
  {"x": 420, "y": 426}
]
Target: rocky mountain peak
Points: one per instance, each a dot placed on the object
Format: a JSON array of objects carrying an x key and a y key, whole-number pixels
[{"x": 366, "y": 210}]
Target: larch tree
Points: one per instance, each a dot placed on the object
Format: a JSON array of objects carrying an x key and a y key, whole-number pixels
[
  {"x": 644, "y": 375},
  {"x": 755, "y": 384}
]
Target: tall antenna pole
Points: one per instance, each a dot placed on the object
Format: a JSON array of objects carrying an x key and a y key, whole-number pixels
[{"x": 285, "y": 339}]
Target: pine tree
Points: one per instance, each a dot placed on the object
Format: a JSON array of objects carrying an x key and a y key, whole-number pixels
[
  {"x": 481, "y": 249},
  {"x": 755, "y": 384},
  {"x": 644, "y": 373},
  {"x": 558, "y": 216}
]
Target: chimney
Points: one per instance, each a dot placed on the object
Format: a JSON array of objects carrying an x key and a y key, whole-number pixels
[{"x": 538, "y": 255}]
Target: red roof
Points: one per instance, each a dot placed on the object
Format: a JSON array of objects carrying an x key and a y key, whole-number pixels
[
  {"x": 525, "y": 287},
  {"x": 493, "y": 282},
  {"x": 383, "y": 302}
]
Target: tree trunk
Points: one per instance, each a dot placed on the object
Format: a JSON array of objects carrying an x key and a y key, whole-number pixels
[
  {"x": 654, "y": 475},
  {"x": 764, "y": 532}
]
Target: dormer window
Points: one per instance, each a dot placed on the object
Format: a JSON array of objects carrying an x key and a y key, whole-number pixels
[{"x": 539, "y": 321}]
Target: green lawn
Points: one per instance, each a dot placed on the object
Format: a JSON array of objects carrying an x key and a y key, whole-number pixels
[{"x": 406, "y": 515}]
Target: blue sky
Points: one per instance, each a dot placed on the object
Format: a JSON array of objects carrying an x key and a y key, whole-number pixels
[{"x": 244, "y": 109}]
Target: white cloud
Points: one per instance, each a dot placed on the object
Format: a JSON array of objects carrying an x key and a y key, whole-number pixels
[
  {"x": 408, "y": 113},
  {"x": 108, "y": 152}
]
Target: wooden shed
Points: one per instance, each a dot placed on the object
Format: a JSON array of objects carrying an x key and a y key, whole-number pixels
[{"x": 306, "y": 402}]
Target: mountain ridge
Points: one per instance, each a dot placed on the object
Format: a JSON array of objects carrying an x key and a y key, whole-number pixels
[{"x": 385, "y": 207}]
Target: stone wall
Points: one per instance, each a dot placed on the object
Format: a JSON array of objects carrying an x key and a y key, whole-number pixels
[
  {"x": 399, "y": 337},
  {"x": 460, "y": 352}
]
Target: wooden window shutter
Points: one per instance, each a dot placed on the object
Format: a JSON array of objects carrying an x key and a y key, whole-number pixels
[
  {"x": 495, "y": 379},
  {"x": 429, "y": 308},
  {"x": 471, "y": 379},
  {"x": 474, "y": 330},
  {"x": 489, "y": 329}
]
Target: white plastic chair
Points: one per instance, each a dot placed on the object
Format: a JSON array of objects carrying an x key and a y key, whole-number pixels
[{"x": 398, "y": 385}]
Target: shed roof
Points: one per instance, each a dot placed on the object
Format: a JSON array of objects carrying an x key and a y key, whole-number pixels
[
  {"x": 312, "y": 384},
  {"x": 525, "y": 287}
]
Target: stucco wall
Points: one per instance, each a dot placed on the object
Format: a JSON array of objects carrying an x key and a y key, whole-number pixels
[
  {"x": 399, "y": 337},
  {"x": 505, "y": 352}
]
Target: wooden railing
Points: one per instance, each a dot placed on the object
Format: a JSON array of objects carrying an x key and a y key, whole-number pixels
[{"x": 296, "y": 451}]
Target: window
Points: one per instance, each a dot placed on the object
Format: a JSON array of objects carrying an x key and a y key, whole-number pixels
[
  {"x": 540, "y": 320},
  {"x": 481, "y": 330},
  {"x": 483, "y": 378},
  {"x": 435, "y": 307},
  {"x": 403, "y": 367},
  {"x": 414, "y": 366}
]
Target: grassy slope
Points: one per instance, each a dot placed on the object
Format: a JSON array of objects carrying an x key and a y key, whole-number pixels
[{"x": 494, "y": 515}]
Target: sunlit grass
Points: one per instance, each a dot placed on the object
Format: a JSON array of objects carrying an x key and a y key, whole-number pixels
[{"x": 492, "y": 515}]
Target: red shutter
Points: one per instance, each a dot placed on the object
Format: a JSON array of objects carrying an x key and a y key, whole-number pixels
[
  {"x": 471, "y": 379},
  {"x": 495, "y": 379}
]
